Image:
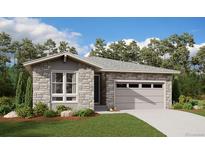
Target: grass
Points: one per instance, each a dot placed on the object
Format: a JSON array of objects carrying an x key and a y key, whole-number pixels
[
  {"x": 109, "y": 125},
  {"x": 199, "y": 112}
]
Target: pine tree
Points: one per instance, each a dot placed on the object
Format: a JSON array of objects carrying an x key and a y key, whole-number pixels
[{"x": 28, "y": 94}]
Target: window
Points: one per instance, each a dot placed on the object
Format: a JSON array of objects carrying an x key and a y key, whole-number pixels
[
  {"x": 145, "y": 85},
  {"x": 57, "y": 83},
  {"x": 157, "y": 86},
  {"x": 133, "y": 85},
  {"x": 121, "y": 85},
  {"x": 63, "y": 87},
  {"x": 57, "y": 98},
  {"x": 70, "y": 83}
]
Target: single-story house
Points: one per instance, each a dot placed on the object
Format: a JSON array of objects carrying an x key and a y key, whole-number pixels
[{"x": 92, "y": 82}]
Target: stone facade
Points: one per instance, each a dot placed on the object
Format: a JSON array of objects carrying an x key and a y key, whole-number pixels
[
  {"x": 85, "y": 83},
  {"x": 42, "y": 83},
  {"x": 110, "y": 77}
]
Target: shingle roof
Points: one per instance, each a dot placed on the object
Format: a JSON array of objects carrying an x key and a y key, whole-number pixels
[{"x": 109, "y": 65}]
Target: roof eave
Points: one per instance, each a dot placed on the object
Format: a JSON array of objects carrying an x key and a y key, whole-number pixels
[
  {"x": 36, "y": 61},
  {"x": 134, "y": 71}
]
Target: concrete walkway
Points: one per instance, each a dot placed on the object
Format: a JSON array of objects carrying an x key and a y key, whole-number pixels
[{"x": 172, "y": 122}]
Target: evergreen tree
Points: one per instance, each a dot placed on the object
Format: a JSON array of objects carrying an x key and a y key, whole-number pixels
[
  {"x": 19, "y": 89},
  {"x": 175, "y": 90},
  {"x": 28, "y": 94}
]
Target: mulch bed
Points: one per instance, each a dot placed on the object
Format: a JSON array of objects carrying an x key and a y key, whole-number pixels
[
  {"x": 2, "y": 119},
  {"x": 38, "y": 119}
]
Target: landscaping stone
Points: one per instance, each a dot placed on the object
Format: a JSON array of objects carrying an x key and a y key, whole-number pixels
[
  {"x": 197, "y": 107},
  {"x": 68, "y": 113},
  {"x": 11, "y": 114}
]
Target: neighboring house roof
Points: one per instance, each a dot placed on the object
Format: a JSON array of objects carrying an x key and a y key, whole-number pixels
[
  {"x": 110, "y": 65},
  {"x": 107, "y": 65}
]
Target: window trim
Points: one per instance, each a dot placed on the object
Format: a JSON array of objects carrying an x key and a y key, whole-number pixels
[
  {"x": 138, "y": 85},
  {"x": 121, "y": 87},
  {"x": 64, "y": 94}
]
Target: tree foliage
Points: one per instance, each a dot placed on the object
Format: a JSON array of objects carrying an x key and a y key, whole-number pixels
[
  {"x": 176, "y": 90},
  {"x": 199, "y": 60},
  {"x": 171, "y": 52},
  {"x": 28, "y": 94},
  {"x": 64, "y": 47},
  {"x": 19, "y": 89}
]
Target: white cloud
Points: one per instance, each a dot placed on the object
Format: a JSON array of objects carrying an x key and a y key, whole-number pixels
[
  {"x": 38, "y": 31},
  {"x": 141, "y": 44},
  {"x": 193, "y": 50}
]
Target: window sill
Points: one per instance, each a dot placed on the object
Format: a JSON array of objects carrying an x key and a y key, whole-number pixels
[{"x": 61, "y": 102}]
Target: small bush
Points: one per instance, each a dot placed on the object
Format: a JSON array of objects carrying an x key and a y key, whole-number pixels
[
  {"x": 24, "y": 111},
  {"x": 50, "y": 113},
  {"x": 39, "y": 109},
  {"x": 187, "y": 106},
  {"x": 84, "y": 113},
  {"x": 61, "y": 108},
  {"x": 194, "y": 102},
  {"x": 178, "y": 106},
  {"x": 6, "y": 105},
  {"x": 182, "y": 99},
  {"x": 4, "y": 109},
  {"x": 6, "y": 101},
  {"x": 201, "y": 103}
]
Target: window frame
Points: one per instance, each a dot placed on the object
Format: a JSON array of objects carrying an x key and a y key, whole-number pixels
[
  {"x": 121, "y": 84},
  {"x": 64, "y": 94}
]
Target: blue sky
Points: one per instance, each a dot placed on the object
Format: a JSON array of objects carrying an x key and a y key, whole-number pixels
[
  {"x": 112, "y": 29},
  {"x": 82, "y": 32}
]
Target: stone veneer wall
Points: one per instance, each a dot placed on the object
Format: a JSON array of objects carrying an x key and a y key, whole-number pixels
[
  {"x": 110, "y": 77},
  {"x": 42, "y": 85}
]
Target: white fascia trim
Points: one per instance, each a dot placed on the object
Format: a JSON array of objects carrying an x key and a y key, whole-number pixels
[
  {"x": 56, "y": 56},
  {"x": 134, "y": 71}
]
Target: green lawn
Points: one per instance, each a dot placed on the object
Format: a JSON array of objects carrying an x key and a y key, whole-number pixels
[
  {"x": 199, "y": 112},
  {"x": 102, "y": 125}
]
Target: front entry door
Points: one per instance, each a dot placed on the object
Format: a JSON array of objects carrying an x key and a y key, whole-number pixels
[{"x": 97, "y": 89}]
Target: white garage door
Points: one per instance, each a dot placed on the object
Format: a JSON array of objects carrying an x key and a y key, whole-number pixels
[{"x": 139, "y": 95}]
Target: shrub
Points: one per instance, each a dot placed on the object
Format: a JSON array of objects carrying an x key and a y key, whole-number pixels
[
  {"x": 50, "y": 113},
  {"x": 187, "y": 106},
  {"x": 84, "y": 113},
  {"x": 61, "y": 108},
  {"x": 39, "y": 109},
  {"x": 194, "y": 102},
  {"x": 182, "y": 99},
  {"x": 178, "y": 106},
  {"x": 6, "y": 105},
  {"x": 4, "y": 109},
  {"x": 201, "y": 103},
  {"x": 6, "y": 101},
  {"x": 175, "y": 90},
  {"x": 24, "y": 111},
  {"x": 19, "y": 89},
  {"x": 28, "y": 94}
]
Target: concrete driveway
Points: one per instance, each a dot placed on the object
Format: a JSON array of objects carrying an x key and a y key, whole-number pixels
[{"x": 172, "y": 122}]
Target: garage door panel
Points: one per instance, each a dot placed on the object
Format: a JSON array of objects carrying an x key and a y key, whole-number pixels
[
  {"x": 131, "y": 92},
  {"x": 129, "y": 106},
  {"x": 139, "y": 99}
]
